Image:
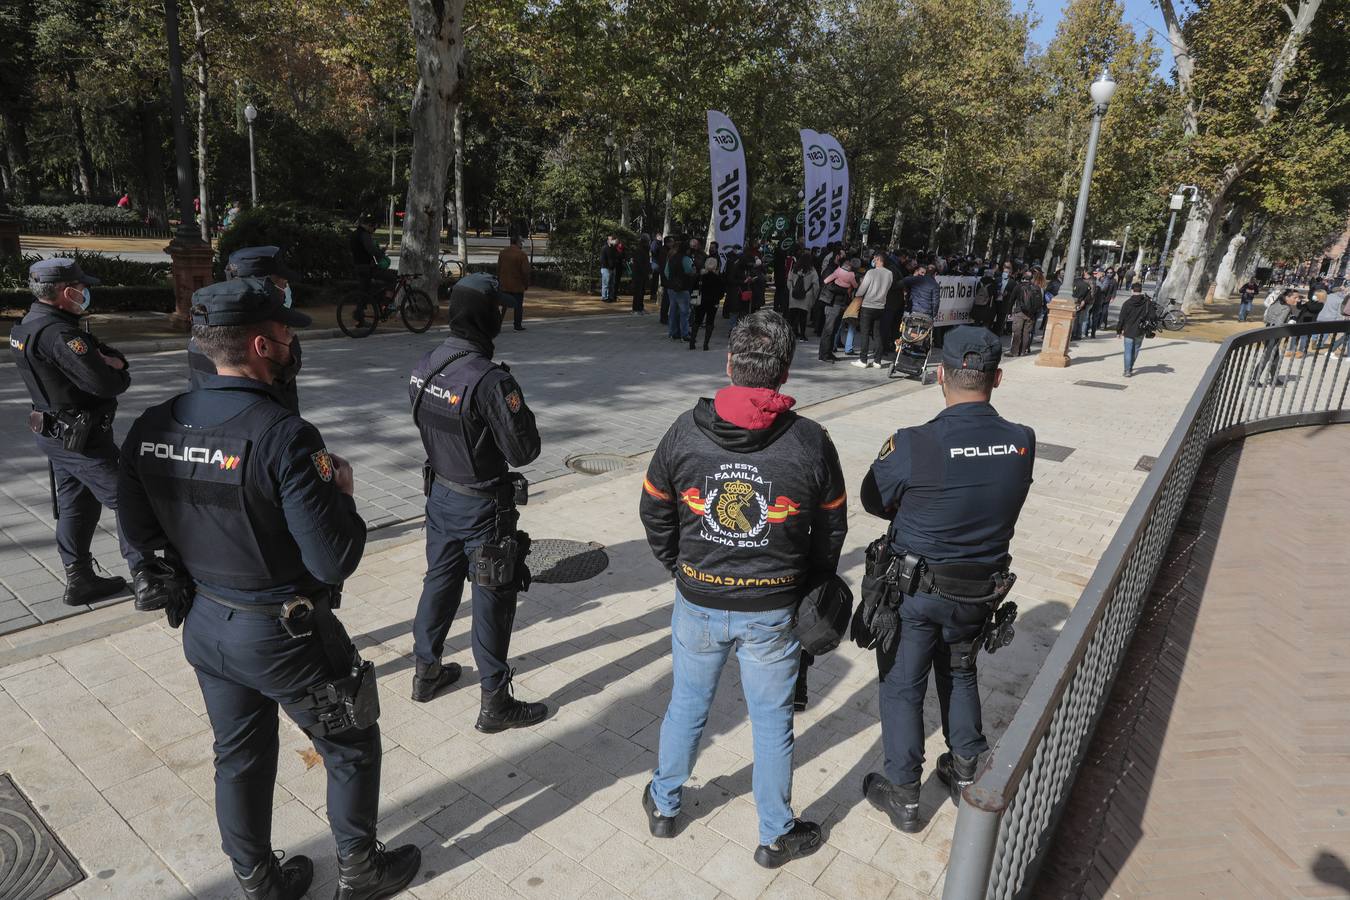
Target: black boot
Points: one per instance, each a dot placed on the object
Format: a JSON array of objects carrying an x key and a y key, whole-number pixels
[
  {"x": 431, "y": 678},
  {"x": 500, "y": 710},
  {"x": 900, "y": 802},
  {"x": 273, "y": 881},
  {"x": 84, "y": 586},
  {"x": 957, "y": 773},
  {"x": 375, "y": 873}
]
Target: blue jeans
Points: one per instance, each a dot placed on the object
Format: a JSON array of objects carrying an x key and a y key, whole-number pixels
[
  {"x": 606, "y": 284},
  {"x": 1244, "y": 310},
  {"x": 679, "y": 314},
  {"x": 768, "y": 652},
  {"x": 1132, "y": 348},
  {"x": 850, "y": 331}
]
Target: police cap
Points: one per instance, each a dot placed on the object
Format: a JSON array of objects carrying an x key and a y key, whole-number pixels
[
  {"x": 259, "y": 262},
  {"x": 243, "y": 301},
  {"x": 59, "y": 270},
  {"x": 971, "y": 347}
]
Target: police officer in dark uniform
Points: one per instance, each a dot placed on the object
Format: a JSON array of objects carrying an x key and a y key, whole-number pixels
[
  {"x": 256, "y": 518},
  {"x": 474, "y": 425},
  {"x": 256, "y": 262},
  {"x": 953, "y": 489},
  {"x": 74, "y": 380}
]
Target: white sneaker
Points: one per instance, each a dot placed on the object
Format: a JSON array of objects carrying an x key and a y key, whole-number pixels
[
  {"x": 860, "y": 364},
  {"x": 874, "y": 365}
]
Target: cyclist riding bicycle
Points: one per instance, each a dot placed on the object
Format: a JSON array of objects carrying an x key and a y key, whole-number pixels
[{"x": 368, "y": 258}]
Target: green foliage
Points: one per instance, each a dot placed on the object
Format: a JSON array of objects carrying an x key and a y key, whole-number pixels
[
  {"x": 118, "y": 298},
  {"x": 576, "y": 244},
  {"x": 109, "y": 270},
  {"x": 314, "y": 241},
  {"x": 76, "y": 216}
]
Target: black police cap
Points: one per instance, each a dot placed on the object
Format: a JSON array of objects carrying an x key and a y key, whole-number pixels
[
  {"x": 259, "y": 262},
  {"x": 971, "y": 347},
  {"x": 59, "y": 270},
  {"x": 243, "y": 301}
]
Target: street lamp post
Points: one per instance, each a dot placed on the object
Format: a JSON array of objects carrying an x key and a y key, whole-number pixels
[
  {"x": 1055, "y": 348},
  {"x": 251, "y": 113}
]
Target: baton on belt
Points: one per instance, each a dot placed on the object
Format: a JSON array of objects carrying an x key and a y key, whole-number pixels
[{"x": 51, "y": 482}]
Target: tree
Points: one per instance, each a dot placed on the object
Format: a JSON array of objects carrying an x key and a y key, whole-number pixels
[{"x": 437, "y": 30}]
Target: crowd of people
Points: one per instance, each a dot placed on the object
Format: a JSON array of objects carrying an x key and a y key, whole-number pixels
[{"x": 851, "y": 300}]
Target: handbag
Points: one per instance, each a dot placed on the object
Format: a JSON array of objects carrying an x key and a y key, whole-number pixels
[
  {"x": 851, "y": 311},
  {"x": 823, "y": 614}
]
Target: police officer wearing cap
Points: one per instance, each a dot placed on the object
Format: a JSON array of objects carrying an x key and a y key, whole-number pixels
[
  {"x": 256, "y": 515},
  {"x": 475, "y": 426},
  {"x": 74, "y": 380},
  {"x": 953, "y": 489},
  {"x": 256, "y": 262}
]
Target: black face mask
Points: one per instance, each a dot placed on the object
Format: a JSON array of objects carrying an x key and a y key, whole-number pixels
[{"x": 285, "y": 373}]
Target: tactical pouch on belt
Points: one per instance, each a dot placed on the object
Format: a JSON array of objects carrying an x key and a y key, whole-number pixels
[
  {"x": 75, "y": 430},
  {"x": 500, "y": 562},
  {"x": 350, "y": 702},
  {"x": 428, "y": 478}
]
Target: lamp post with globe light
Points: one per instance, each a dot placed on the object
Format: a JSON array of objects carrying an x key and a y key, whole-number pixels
[
  {"x": 1059, "y": 327},
  {"x": 251, "y": 113}
]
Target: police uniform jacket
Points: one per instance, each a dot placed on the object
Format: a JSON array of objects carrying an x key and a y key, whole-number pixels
[
  {"x": 954, "y": 486},
  {"x": 744, "y": 517},
  {"x": 62, "y": 366},
  {"x": 243, "y": 489},
  {"x": 474, "y": 421}
]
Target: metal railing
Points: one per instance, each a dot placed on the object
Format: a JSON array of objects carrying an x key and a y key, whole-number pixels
[{"x": 1260, "y": 380}]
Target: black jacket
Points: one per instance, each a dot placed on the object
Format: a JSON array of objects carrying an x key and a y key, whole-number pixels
[
  {"x": 743, "y": 517},
  {"x": 1132, "y": 315}
]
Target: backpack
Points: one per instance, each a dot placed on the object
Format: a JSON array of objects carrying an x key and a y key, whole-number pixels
[{"x": 798, "y": 286}]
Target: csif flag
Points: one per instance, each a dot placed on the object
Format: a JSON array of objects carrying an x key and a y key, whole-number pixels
[
  {"x": 730, "y": 194},
  {"x": 816, "y": 167},
  {"x": 837, "y": 166}
]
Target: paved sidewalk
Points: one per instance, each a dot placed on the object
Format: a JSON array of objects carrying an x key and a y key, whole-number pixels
[
  {"x": 598, "y": 384},
  {"x": 110, "y": 740}
]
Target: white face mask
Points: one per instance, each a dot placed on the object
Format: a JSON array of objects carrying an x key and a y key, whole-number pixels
[{"x": 286, "y": 297}]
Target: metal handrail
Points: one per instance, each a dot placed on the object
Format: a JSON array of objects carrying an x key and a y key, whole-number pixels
[{"x": 1009, "y": 814}]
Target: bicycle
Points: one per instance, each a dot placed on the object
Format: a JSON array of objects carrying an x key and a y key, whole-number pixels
[
  {"x": 358, "y": 317},
  {"x": 452, "y": 270},
  {"x": 1171, "y": 316}
]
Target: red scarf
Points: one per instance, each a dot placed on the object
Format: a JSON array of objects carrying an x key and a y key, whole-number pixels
[{"x": 753, "y": 408}]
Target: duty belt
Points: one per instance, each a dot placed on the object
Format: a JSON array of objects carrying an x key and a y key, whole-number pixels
[
  {"x": 54, "y": 423},
  {"x": 296, "y": 614},
  {"x": 966, "y": 582},
  {"x": 501, "y": 493}
]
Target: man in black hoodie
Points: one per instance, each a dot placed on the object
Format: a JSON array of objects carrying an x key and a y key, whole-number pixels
[
  {"x": 474, "y": 425},
  {"x": 744, "y": 504}
]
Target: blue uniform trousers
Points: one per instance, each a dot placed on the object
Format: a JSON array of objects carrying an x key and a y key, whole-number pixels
[
  {"x": 85, "y": 483},
  {"x": 247, "y": 665},
  {"x": 457, "y": 525},
  {"x": 928, "y": 626}
]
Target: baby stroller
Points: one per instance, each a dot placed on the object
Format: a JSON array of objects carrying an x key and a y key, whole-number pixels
[{"x": 911, "y": 350}]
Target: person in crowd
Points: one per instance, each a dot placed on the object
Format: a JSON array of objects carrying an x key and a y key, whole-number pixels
[
  {"x": 1028, "y": 297},
  {"x": 847, "y": 330},
  {"x": 1082, "y": 305},
  {"x": 875, "y": 288},
  {"x": 1106, "y": 293},
  {"x": 610, "y": 261},
  {"x": 1131, "y": 325},
  {"x": 710, "y": 292},
  {"x": 368, "y": 258},
  {"x": 758, "y": 284},
  {"x": 1092, "y": 308},
  {"x": 642, "y": 270},
  {"x": 251, "y": 570},
  {"x": 1277, "y": 314},
  {"x": 803, "y": 287},
  {"x": 954, "y": 511},
  {"x": 1246, "y": 296},
  {"x": 681, "y": 278},
  {"x": 513, "y": 279},
  {"x": 836, "y": 293},
  {"x": 1307, "y": 312},
  {"x": 711, "y": 473}
]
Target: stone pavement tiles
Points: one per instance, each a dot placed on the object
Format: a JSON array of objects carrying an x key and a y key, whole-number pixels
[
  {"x": 607, "y": 384},
  {"x": 111, "y": 741}
]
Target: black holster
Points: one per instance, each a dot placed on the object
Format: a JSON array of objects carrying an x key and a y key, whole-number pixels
[
  {"x": 500, "y": 562},
  {"x": 351, "y": 700}
]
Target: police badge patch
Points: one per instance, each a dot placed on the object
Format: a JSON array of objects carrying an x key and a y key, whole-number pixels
[
  {"x": 323, "y": 463},
  {"x": 886, "y": 448},
  {"x": 78, "y": 346},
  {"x": 514, "y": 402}
]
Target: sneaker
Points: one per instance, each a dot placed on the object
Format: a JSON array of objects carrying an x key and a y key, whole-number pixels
[
  {"x": 802, "y": 840},
  {"x": 874, "y": 365},
  {"x": 900, "y": 802},
  {"x": 660, "y": 826},
  {"x": 860, "y": 364}
]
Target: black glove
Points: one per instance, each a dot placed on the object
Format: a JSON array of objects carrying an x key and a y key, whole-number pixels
[
  {"x": 160, "y": 585},
  {"x": 886, "y": 628}
]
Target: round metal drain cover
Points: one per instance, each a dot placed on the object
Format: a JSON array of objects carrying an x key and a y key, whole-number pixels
[
  {"x": 597, "y": 463},
  {"x": 554, "y": 561}
]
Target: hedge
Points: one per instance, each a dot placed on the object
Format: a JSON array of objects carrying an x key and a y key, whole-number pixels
[
  {"x": 313, "y": 240},
  {"x": 117, "y": 298},
  {"x": 110, "y": 270},
  {"x": 76, "y": 216}
]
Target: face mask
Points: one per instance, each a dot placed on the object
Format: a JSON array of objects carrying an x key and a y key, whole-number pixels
[
  {"x": 286, "y": 372},
  {"x": 84, "y": 304},
  {"x": 286, "y": 297}
]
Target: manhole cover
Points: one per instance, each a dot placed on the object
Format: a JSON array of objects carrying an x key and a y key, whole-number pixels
[
  {"x": 1146, "y": 464},
  {"x": 33, "y": 864},
  {"x": 1052, "y": 452},
  {"x": 554, "y": 561},
  {"x": 597, "y": 463}
]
